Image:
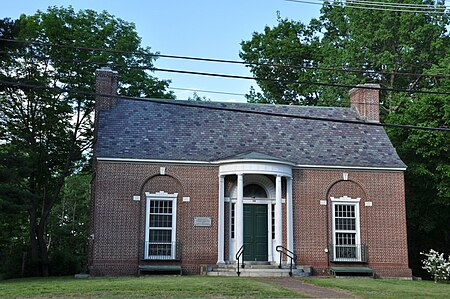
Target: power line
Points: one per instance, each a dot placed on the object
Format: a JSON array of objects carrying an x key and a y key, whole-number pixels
[
  {"x": 269, "y": 79},
  {"x": 265, "y": 79},
  {"x": 371, "y": 8},
  {"x": 182, "y": 57},
  {"x": 380, "y": 6},
  {"x": 395, "y": 4},
  {"x": 190, "y": 104},
  {"x": 298, "y": 82}
]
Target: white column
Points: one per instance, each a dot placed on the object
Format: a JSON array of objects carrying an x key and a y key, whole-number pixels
[
  {"x": 289, "y": 216},
  {"x": 270, "y": 249},
  {"x": 278, "y": 215},
  {"x": 221, "y": 221},
  {"x": 239, "y": 229}
]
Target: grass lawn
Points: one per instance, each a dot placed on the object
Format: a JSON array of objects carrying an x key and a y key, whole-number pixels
[
  {"x": 208, "y": 287},
  {"x": 148, "y": 287},
  {"x": 384, "y": 288}
]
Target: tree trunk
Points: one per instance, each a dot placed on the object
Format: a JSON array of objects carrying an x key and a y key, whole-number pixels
[
  {"x": 43, "y": 248},
  {"x": 34, "y": 262}
]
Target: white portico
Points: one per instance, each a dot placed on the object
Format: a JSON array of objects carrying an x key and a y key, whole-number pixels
[{"x": 255, "y": 201}]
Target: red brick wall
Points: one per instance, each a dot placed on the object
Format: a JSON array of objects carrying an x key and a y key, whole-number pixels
[
  {"x": 119, "y": 222},
  {"x": 383, "y": 225}
]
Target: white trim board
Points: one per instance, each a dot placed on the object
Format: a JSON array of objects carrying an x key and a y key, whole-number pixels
[{"x": 297, "y": 166}]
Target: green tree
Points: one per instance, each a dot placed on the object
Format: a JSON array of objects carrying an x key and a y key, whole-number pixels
[
  {"x": 381, "y": 44},
  {"x": 68, "y": 227},
  {"x": 14, "y": 167},
  {"x": 51, "y": 127},
  {"x": 427, "y": 177},
  {"x": 288, "y": 43},
  {"x": 196, "y": 98},
  {"x": 349, "y": 46}
]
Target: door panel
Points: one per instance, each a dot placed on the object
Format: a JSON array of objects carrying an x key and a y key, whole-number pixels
[{"x": 255, "y": 232}]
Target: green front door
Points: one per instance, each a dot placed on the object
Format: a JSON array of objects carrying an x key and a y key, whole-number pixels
[{"x": 255, "y": 232}]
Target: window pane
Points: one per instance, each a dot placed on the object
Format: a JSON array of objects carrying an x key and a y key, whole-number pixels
[
  {"x": 160, "y": 249},
  {"x": 273, "y": 221},
  {"x": 159, "y": 235},
  {"x": 233, "y": 207},
  {"x": 254, "y": 191},
  {"x": 345, "y": 224},
  {"x": 347, "y": 252},
  {"x": 160, "y": 220},
  {"x": 345, "y": 239},
  {"x": 161, "y": 207}
]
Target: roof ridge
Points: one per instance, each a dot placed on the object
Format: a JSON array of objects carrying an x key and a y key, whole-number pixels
[{"x": 200, "y": 103}]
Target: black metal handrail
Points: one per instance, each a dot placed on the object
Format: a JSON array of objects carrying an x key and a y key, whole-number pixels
[
  {"x": 240, "y": 254},
  {"x": 283, "y": 250}
]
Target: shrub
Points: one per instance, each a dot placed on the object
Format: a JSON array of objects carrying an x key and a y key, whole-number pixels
[{"x": 436, "y": 265}]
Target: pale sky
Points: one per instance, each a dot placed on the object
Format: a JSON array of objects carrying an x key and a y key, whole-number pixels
[{"x": 199, "y": 28}]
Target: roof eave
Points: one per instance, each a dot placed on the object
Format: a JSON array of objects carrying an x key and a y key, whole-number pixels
[{"x": 219, "y": 162}]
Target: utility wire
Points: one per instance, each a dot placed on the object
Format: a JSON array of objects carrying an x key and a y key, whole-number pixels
[
  {"x": 299, "y": 82},
  {"x": 381, "y": 5},
  {"x": 141, "y": 53},
  {"x": 189, "y": 104},
  {"x": 268, "y": 79},
  {"x": 395, "y": 4},
  {"x": 370, "y": 8},
  {"x": 217, "y": 75}
]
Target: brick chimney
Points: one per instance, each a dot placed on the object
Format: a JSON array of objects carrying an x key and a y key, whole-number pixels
[
  {"x": 105, "y": 84},
  {"x": 365, "y": 98}
]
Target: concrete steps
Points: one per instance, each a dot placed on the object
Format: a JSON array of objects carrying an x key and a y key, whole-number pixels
[{"x": 258, "y": 270}]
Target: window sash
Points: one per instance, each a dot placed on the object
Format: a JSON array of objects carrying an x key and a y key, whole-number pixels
[
  {"x": 346, "y": 239},
  {"x": 160, "y": 236}
]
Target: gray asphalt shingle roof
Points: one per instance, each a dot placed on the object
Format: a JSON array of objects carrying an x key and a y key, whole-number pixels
[{"x": 140, "y": 129}]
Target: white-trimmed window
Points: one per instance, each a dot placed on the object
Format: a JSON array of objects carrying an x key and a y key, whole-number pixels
[
  {"x": 232, "y": 220},
  {"x": 160, "y": 226},
  {"x": 346, "y": 230}
]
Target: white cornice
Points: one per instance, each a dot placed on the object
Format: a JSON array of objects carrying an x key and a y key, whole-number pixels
[
  {"x": 351, "y": 167},
  {"x": 125, "y": 160},
  {"x": 221, "y": 162}
]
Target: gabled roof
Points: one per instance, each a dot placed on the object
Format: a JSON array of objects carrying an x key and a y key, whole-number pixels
[{"x": 139, "y": 129}]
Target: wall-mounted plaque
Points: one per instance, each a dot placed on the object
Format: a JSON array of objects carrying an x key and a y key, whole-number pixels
[{"x": 202, "y": 221}]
